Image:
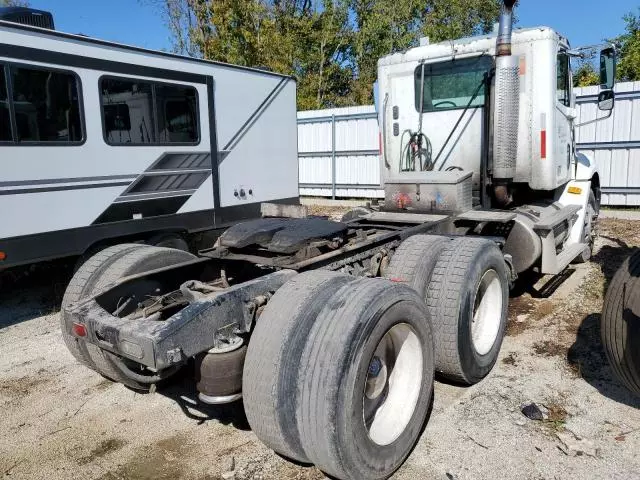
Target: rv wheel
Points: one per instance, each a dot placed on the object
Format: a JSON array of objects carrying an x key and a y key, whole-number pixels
[
  {"x": 104, "y": 268},
  {"x": 620, "y": 324},
  {"x": 365, "y": 380},
  {"x": 467, "y": 299},
  {"x": 169, "y": 240}
]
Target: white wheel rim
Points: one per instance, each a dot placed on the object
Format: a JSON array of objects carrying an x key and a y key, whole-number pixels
[
  {"x": 487, "y": 312},
  {"x": 393, "y": 384}
]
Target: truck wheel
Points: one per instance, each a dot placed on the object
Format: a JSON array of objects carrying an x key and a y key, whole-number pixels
[
  {"x": 620, "y": 324},
  {"x": 589, "y": 229},
  {"x": 355, "y": 213},
  {"x": 467, "y": 299},
  {"x": 273, "y": 358},
  {"x": 104, "y": 268},
  {"x": 365, "y": 380},
  {"x": 414, "y": 260}
]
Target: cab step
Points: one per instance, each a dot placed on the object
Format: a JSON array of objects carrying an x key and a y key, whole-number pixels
[{"x": 553, "y": 262}]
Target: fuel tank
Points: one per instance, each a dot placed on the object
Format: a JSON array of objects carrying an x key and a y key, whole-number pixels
[{"x": 523, "y": 243}]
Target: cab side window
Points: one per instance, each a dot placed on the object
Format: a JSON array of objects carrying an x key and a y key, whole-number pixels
[{"x": 563, "y": 90}]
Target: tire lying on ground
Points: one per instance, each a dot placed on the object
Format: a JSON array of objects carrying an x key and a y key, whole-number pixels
[
  {"x": 274, "y": 354},
  {"x": 620, "y": 323},
  {"x": 467, "y": 299},
  {"x": 365, "y": 380},
  {"x": 104, "y": 268}
]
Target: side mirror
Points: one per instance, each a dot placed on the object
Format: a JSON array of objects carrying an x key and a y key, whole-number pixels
[
  {"x": 608, "y": 68},
  {"x": 606, "y": 100}
]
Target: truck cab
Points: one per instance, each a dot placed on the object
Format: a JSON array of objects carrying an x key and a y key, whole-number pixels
[{"x": 487, "y": 123}]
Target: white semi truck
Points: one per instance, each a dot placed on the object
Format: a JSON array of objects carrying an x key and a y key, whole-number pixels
[{"x": 335, "y": 365}]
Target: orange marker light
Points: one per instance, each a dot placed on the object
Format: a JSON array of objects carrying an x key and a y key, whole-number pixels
[
  {"x": 3, "y": 256},
  {"x": 574, "y": 190}
]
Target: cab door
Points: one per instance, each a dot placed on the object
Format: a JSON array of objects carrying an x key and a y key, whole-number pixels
[{"x": 564, "y": 117}]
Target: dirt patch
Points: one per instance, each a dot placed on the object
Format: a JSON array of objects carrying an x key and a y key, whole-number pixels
[
  {"x": 525, "y": 312},
  {"x": 557, "y": 417},
  {"x": 164, "y": 459},
  {"x": 511, "y": 359},
  {"x": 105, "y": 447},
  {"x": 99, "y": 387},
  {"x": 548, "y": 348},
  {"x": 332, "y": 213},
  {"x": 14, "y": 388}
]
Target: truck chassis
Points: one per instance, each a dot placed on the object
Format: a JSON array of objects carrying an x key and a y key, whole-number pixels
[{"x": 245, "y": 314}]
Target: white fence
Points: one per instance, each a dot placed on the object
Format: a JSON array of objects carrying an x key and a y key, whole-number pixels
[{"x": 338, "y": 148}]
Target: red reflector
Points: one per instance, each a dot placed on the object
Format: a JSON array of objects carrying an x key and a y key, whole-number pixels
[
  {"x": 543, "y": 144},
  {"x": 380, "y": 142},
  {"x": 3, "y": 256},
  {"x": 79, "y": 330}
]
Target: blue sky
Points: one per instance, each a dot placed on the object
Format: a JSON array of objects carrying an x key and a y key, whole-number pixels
[{"x": 138, "y": 23}]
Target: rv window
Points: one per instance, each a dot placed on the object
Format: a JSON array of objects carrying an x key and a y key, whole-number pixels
[
  {"x": 450, "y": 85},
  {"x": 143, "y": 113},
  {"x": 177, "y": 112},
  {"x": 5, "y": 122},
  {"x": 563, "y": 93},
  {"x": 127, "y": 109},
  {"x": 47, "y": 106}
]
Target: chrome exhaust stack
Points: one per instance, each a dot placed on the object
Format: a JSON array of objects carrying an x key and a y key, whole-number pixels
[
  {"x": 503, "y": 47},
  {"x": 506, "y": 106}
]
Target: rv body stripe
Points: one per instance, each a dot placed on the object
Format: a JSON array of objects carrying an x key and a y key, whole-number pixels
[
  {"x": 255, "y": 116},
  {"x": 53, "y": 181},
  {"x": 79, "y": 61},
  {"x": 24, "y": 191}
]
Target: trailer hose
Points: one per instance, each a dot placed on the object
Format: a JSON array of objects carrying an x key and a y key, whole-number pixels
[
  {"x": 416, "y": 149},
  {"x": 137, "y": 377}
]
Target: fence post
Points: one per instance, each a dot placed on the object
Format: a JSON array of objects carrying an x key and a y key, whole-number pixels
[{"x": 333, "y": 156}]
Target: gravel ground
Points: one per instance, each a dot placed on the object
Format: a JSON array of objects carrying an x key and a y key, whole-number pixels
[{"x": 62, "y": 421}]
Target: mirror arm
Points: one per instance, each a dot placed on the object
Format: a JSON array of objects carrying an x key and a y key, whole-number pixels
[{"x": 596, "y": 120}]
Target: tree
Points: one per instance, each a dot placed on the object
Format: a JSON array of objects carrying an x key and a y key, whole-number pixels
[
  {"x": 14, "y": 3},
  {"x": 629, "y": 54},
  {"x": 331, "y": 46},
  {"x": 585, "y": 74}
]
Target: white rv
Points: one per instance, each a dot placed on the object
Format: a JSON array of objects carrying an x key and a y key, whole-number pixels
[{"x": 103, "y": 143}]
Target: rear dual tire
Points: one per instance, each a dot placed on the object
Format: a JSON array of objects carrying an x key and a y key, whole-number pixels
[
  {"x": 352, "y": 395},
  {"x": 464, "y": 282}
]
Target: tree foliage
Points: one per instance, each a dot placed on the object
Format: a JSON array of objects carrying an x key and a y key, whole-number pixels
[
  {"x": 14, "y": 3},
  {"x": 330, "y": 46},
  {"x": 585, "y": 75},
  {"x": 629, "y": 54}
]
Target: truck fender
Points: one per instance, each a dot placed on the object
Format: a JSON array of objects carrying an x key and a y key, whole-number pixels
[
  {"x": 576, "y": 192},
  {"x": 585, "y": 167}
]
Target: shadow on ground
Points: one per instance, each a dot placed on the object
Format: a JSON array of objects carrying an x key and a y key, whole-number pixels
[
  {"x": 609, "y": 258},
  {"x": 588, "y": 359},
  {"x": 30, "y": 292},
  {"x": 182, "y": 390}
]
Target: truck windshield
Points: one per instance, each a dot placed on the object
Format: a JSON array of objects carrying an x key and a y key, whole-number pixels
[{"x": 451, "y": 85}]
